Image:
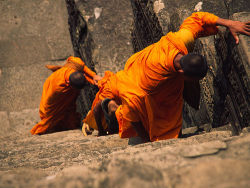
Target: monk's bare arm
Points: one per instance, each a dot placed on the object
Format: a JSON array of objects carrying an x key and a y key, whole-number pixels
[
  {"x": 141, "y": 131},
  {"x": 97, "y": 114},
  {"x": 235, "y": 27},
  {"x": 202, "y": 24}
]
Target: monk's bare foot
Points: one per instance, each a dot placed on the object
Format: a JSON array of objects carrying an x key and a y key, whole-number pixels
[{"x": 139, "y": 128}]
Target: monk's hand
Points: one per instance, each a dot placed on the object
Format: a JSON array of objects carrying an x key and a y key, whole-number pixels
[
  {"x": 96, "y": 78},
  {"x": 85, "y": 129},
  {"x": 237, "y": 27}
]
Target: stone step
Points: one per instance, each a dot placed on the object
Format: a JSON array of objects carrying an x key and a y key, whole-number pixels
[
  {"x": 70, "y": 159},
  {"x": 18, "y": 124}
]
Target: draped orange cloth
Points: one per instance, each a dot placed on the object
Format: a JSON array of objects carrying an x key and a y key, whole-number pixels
[
  {"x": 57, "y": 107},
  {"x": 149, "y": 89}
]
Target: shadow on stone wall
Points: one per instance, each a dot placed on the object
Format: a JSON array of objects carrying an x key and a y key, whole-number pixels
[{"x": 83, "y": 46}]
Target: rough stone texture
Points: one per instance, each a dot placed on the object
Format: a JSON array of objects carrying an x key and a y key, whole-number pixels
[
  {"x": 109, "y": 23},
  {"x": 235, "y": 62},
  {"x": 4, "y": 121},
  {"x": 32, "y": 33},
  {"x": 68, "y": 159}
]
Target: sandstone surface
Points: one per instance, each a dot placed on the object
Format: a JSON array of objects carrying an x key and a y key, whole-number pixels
[
  {"x": 68, "y": 159},
  {"x": 104, "y": 34},
  {"x": 32, "y": 34}
]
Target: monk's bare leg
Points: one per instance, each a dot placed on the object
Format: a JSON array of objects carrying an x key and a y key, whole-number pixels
[
  {"x": 139, "y": 128},
  {"x": 113, "y": 126},
  {"x": 98, "y": 118},
  {"x": 112, "y": 107}
]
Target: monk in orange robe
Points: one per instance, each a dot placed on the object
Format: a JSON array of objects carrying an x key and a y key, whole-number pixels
[
  {"x": 146, "y": 98},
  {"x": 60, "y": 90}
]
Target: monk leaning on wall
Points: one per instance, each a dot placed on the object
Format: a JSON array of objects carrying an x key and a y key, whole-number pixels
[
  {"x": 146, "y": 98},
  {"x": 60, "y": 90}
]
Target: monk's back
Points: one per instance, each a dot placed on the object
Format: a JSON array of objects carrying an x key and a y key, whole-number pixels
[
  {"x": 152, "y": 67},
  {"x": 57, "y": 94},
  {"x": 153, "y": 89}
]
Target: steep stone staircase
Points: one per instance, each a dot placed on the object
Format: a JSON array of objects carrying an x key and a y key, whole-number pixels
[{"x": 207, "y": 155}]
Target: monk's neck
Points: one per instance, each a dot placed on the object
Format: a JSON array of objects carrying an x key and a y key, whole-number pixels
[{"x": 176, "y": 63}]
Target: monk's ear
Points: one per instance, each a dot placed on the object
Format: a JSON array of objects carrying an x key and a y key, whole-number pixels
[{"x": 180, "y": 71}]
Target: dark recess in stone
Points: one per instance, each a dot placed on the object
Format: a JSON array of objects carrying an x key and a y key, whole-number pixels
[
  {"x": 147, "y": 29},
  {"x": 83, "y": 45}
]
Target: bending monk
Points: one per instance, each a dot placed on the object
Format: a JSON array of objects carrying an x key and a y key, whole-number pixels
[
  {"x": 146, "y": 98},
  {"x": 60, "y": 90}
]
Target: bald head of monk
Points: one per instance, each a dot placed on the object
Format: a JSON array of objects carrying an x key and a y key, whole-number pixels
[
  {"x": 77, "y": 80},
  {"x": 192, "y": 66}
]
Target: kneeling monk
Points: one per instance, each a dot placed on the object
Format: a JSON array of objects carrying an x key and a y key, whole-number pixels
[
  {"x": 147, "y": 96},
  {"x": 60, "y": 91}
]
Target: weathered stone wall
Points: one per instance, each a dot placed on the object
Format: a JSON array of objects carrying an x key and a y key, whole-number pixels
[
  {"x": 108, "y": 24},
  {"x": 235, "y": 61},
  {"x": 32, "y": 34}
]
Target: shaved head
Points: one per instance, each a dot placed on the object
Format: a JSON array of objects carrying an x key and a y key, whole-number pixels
[
  {"x": 77, "y": 80},
  {"x": 194, "y": 65}
]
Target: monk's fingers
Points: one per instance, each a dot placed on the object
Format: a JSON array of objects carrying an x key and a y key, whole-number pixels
[
  {"x": 236, "y": 38},
  {"x": 95, "y": 82},
  {"x": 247, "y": 27},
  {"x": 247, "y": 23},
  {"x": 84, "y": 127},
  {"x": 247, "y": 33},
  {"x": 87, "y": 127}
]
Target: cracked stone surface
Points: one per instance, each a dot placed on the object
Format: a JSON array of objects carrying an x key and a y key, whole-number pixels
[{"x": 68, "y": 159}]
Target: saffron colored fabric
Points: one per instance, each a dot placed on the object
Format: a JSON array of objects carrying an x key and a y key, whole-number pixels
[
  {"x": 149, "y": 89},
  {"x": 57, "y": 107}
]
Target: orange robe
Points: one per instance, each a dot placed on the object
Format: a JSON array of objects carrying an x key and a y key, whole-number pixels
[
  {"x": 149, "y": 89},
  {"x": 57, "y": 107}
]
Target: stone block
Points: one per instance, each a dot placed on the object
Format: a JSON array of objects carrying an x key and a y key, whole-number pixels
[
  {"x": 4, "y": 123},
  {"x": 107, "y": 29},
  {"x": 32, "y": 33},
  {"x": 22, "y": 121},
  {"x": 21, "y": 86}
]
